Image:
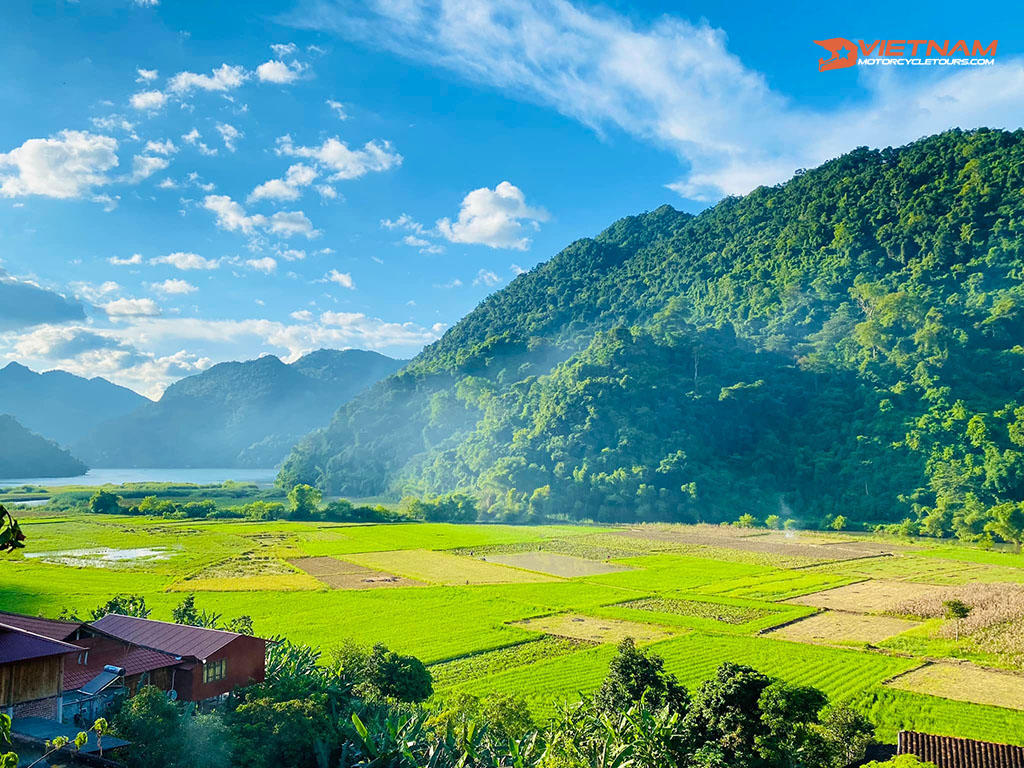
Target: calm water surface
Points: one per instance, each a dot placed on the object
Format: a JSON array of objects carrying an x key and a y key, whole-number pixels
[{"x": 262, "y": 477}]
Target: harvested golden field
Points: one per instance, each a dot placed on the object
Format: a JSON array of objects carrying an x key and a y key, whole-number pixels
[
  {"x": 338, "y": 574},
  {"x": 438, "y": 567},
  {"x": 964, "y": 682},
  {"x": 579, "y": 627},
  {"x": 839, "y": 628},
  {"x": 874, "y": 596}
]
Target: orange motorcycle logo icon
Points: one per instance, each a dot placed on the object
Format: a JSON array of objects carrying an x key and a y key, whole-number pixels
[{"x": 837, "y": 46}]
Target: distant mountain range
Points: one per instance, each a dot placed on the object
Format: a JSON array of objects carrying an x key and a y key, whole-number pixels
[
  {"x": 61, "y": 406},
  {"x": 245, "y": 414},
  {"x": 25, "y": 454}
]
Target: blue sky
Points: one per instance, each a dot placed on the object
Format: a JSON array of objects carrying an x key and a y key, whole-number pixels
[{"x": 185, "y": 183}]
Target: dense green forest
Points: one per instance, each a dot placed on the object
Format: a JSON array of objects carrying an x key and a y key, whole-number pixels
[
  {"x": 237, "y": 414},
  {"x": 848, "y": 342},
  {"x": 26, "y": 454}
]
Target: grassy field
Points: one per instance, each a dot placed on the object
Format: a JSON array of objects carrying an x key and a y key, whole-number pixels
[{"x": 536, "y": 610}]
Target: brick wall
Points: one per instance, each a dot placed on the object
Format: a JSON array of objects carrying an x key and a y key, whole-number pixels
[{"x": 40, "y": 708}]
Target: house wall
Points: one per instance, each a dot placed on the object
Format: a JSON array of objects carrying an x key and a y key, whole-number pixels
[
  {"x": 31, "y": 680},
  {"x": 246, "y": 664}
]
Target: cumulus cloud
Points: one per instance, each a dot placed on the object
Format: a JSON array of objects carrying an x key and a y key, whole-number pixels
[
  {"x": 112, "y": 123},
  {"x": 672, "y": 83},
  {"x": 341, "y": 278},
  {"x": 229, "y": 135},
  {"x": 288, "y": 188},
  {"x": 23, "y": 304},
  {"x": 131, "y": 308},
  {"x": 283, "y": 49},
  {"x": 165, "y": 147},
  {"x": 148, "y": 101},
  {"x": 266, "y": 265},
  {"x": 302, "y": 315},
  {"x": 224, "y": 78},
  {"x": 292, "y": 255},
  {"x": 185, "y": 261},
  {"x": 486, "y": 277},
  {"x": 144, "y": 166},
  {"x": 493, "y": 217},
  {"x": 193, "y": 138},
  {"x": 174, "y": 287},
  {"x": 277, "y": 71},
  {"x": 146, "y": 75},
  {"x": 68, "y": 165},
  {"x": 340, "y": 161},
  {"x": 135, "y": 258},
  {"x": 232, "y": 217}
]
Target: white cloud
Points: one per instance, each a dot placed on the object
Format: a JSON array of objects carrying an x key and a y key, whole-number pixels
[
  {"x": 302, "y": 315},
  {"x": 144, "y": 166},
  {"x": 338, "y": 108},
  {"x": 67, "y": 165},
  {"x": 327, "y": 192},
  {"x": 283, "y": 49},
  {"x": 265, "y": 265},
  {"x": 230, "y": 135},
  {"x": 193, "y": 137},
  {"x": 517, "y": 270},
  {"x": 341, "y": 278},
  {"x": 224, "y": 78},
  {"x": 675, "y": 84},
  {"x": 342, "y": 162},
  {"x": 292, "y": 255},
  {"x": 279, "y": 72},
  {"x": 91, "y": 292},
  {"x": 174, "y": 287},
  {"x": 146, "y": 75},
  {"x": 165, "y": 147},
  {"x": 486, "y": 277},
  {"x": 146, "y": 3},
  {"x": 298, "y": 175},
  {"x": 148, "y": 101},
  {"x": 185, "y": 261},
  {"x": 232, "y": 217},
  {"x": 131, "y": 308},
  {"x": 493, "y": 217},
  {"x": 135, "y": 258},
  {"x": 405, "y": 221},
  {"x": 114, "y": 123}
]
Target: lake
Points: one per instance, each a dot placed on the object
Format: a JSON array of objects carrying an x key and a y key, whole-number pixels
[{"x": 262, "y": 477}]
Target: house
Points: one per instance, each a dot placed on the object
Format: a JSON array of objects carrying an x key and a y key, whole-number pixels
[
  {"x": 950, "y": 752},
  {"x": 32, "y": 672},
  {"x": 209, "y": 662}
]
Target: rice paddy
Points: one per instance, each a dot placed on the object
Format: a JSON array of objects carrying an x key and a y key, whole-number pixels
[{"x": 537, "y": 610}]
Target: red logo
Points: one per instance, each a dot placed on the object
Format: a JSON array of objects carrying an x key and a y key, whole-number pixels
[{"x": 844, "y": 54}]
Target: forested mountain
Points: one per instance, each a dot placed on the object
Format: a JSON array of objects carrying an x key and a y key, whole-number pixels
[
  {"x": 25, "y": 454},
  {"x": 61, "y": 406},
  {"x": 847, "y": 342},
  {"x": 246, "y": 414}
]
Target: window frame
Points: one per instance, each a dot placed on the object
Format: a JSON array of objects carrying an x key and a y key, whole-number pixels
[{"x": 215, "y": 671}]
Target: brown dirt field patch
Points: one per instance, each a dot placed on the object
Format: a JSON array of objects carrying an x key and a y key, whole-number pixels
[
  {"x": 579, "y": 627},
  {"x": 874, "y": 596},
  {"x": 339, "y": 574},
  {"x": 778, "y": 544},
  {"x": 835, "y": 628},
  {"x": 566, "y": 566},
  {"x": 964, "y": 682}
]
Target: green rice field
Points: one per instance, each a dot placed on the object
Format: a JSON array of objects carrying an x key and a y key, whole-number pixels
[{"x": 472, "y": 602}]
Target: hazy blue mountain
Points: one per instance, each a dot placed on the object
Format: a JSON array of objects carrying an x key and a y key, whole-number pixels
[
  {"x": 25, "y": 454},
  {"x": 237, "y": 414},
  {"x": 61, "y": 406}
]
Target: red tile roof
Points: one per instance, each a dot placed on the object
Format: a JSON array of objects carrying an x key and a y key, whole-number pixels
[
  {"x": 949, "y": 752},
  {"x": 51, "y": 628},
  {"x": 177, "y": 639},
  {"x": 19, "y": 645},
  {"x": 106, "y": 650}
]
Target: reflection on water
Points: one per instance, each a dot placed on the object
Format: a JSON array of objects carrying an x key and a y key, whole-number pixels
[
  {"x": 262, "y": 477},
  {"x": 101, "y": 557}
]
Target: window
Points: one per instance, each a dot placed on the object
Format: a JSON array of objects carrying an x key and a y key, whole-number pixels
[{"x": 214, "y": 670}]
